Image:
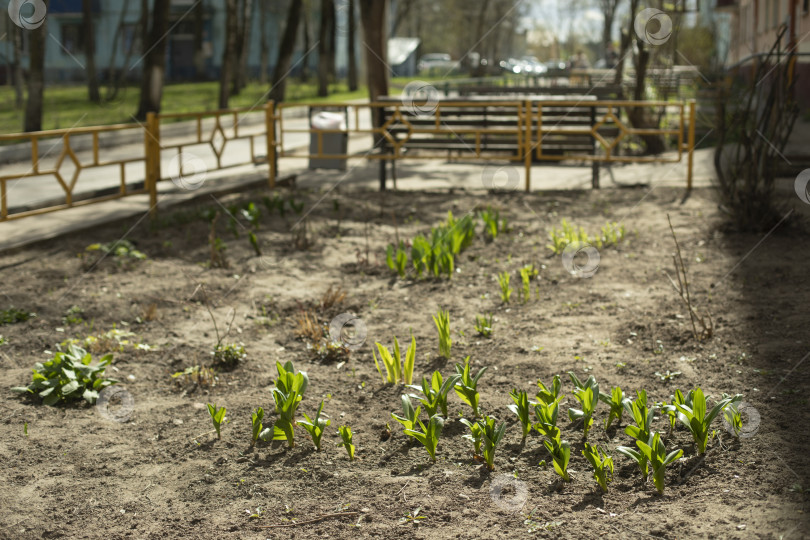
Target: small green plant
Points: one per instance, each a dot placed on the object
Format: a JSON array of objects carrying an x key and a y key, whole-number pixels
[
  {"x": 397, "y": 259},
  {"x": 506, "y": 290},
  {"x": 483, "y": 325},
  {"x": 410, "y": 415},
  {"x": 546, "y": 414},
  {"x": 69, "y": 376},
  {"x": 560, "y": 238},
  {"x": 227, "y": 357},
  {"x": 346, "y": 440},
  {"x": 588, "y": 396},
  {"x": 642, "y": 416},
  {"x": 696, "y": 418},
  {"x": 429, "y": 435},
  {"x": 476, "y": 435},
  {"x": 521, "y": 408},
  {"x": 412, "y": 517},
  {"x": 442, "y": 320},
  {"x": 560, "y": 454},
  {"x": 13, "y": 315},
  {"x": 669, "y": 375},
  {"x": 287, "y": 395},
  {"x": 217, "y": 418},
  {"x": 527, "y": 274},
  {"x": 492, "y": 436},
  {"x": 73, "y": 315},
  {"x": 733, "y": 416},
  {"x": 435, "y": 392},
  {"x": 602, "y": 465},
  {"x": 617, "y": 403},
  {"x": 395, "y": 370},
  {"x": 672, "y": 411},
  {"x": 652, "y": 452},
  {"x": 316, "y": 426},
  {"x": 25, "y": 429},
  {"x": 549, "y": 394},
  {"x": 467, "y": 385},
  {"x": 120, "y": 249},
  {"x": 491, "y": 219},
  {"x": 256, "y": 423}
]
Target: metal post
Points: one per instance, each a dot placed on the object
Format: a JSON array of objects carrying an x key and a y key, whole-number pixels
[
  {"x": 152, "y": 161},
  {"x": 527, "y": 144},
  {"x": 691, "y": 144},
  {"x": 270, "y": 126}
]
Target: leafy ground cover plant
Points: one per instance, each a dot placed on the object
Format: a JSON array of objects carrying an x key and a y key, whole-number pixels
[
  {"x": 521, "y": 408},
  {"x": 551, "y": 393},
  {"x": 256, "y": 424},
  {"x": 588, "y": 396},
  {"x": 442, "y": 320},
  {"x": 506, "y": 291},
  {"x": 69, "y": 376},
  {"x": 492, "y": 436},
  {"x": 696, "y": 418},
  {"x": 435, "y": 392},
  {"x": 483, "y": 325},
  {"x": 316, "y": 426},
  {"x": 652, "y": 452},
  {"x": 395, "y": 370},
  {"x": 346, "y": 440},
  {"x": 217, "y": 417},
  {"x": 429, "y": 434},
  {"x": 467, "y": 386},
  {"x": 616, "y": 402},
  {"x": 602, "y": 465},
  {"x": 410, "y": 415},
  {"x": 13, "y": 315}
]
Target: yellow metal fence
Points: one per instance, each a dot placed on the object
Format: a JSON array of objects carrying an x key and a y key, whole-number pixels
[{"x": 519, "y": 129}]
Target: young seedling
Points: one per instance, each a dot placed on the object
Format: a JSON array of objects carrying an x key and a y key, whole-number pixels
[
  {"x": 521, "y": 408},
  {"x": 546, "y": 414},
  {"x": 217, "y": 417},
  {"x": 602, "y": 465},
  {"x": 346, "y": 440},
  {"x": 411, "y": 415},
  {"x": 491, "y": 220},
  {"x": 476, "y": 435},
  {"x": 697, "y": 420},
  {"x": 315, "y": 426},
  {"x": 671, "y": 410},
  {"x": 483, "y": 325},
  {"x": 734, "y": 418},
  {"x": 560, "y": 454},
  {"x": 442, "y": 320},
  {"x": 397, "y": 259},
  {"x": 550, "y": 394},
  {"x": 467, "y": 386},
  {"x": 588, "y": 396},
  {"x": 286, "y": 405},
  {"x": 527, "y": 274},
  {"x": 491, "y": 435},
  {"x": 506, "y": 291},
  {"x": 642, "y": 416},
  {"x": 288, "y": 380},
  {"x": 617, "y": 403},
  {"x": 429, "y": 436},
  {"x": 652, "y": 452},
  {"x": 395, "y": 370},
  {"x": 435, "y": 392},
  {"x": 256, "y": 420}
]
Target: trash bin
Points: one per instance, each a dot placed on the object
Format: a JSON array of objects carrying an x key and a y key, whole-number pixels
[{"x": 333, "y": 143}]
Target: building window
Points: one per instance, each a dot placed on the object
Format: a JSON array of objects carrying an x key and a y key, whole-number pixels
[{"x": 72, "y": 38}]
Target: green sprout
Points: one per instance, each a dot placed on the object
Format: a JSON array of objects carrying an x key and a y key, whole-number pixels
[
  {"x": 346, "y": 440},
  {"x": 546, "y": 414},
  {"x": 442, "y": 320},
  {"x": 654, "y": 453},
  {"x": 602, "y": 465},
  {"x": 483, "y": 325},
  {"x": 560, "y": 454},
  {"x": 476, "y": 435},
  {"x": 527, "y": 274},
  {"x": 467, "y": 386},
  {"x": 315, "y": 426},
  {"x": 395, "y": 370},
  {"x": 616, "y": 402},
  {"x": 506, "y": 291},
  {"x": 491, "y": 436},
  {"x": 435, "y": 392},
  {"x": 256, "y": 420},
  {"x": 588, "y": 396},
  {"x": 734, "y": 418},
  {"x": 410, "y": 415},
  {"x": 429, "y": 435},
  {"x": 217, "y": 417},
  {"x": 697, "y": 420},
  {"x": 521, "y": 408},
  {"x": 397, "y": 260},
  {"x": 550, "y": 394}
]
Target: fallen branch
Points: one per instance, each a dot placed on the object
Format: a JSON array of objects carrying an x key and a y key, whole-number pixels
[{"x": 305, "y": 522}]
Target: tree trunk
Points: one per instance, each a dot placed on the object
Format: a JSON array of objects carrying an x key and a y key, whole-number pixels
[
  {"x": 90, "y": 51},
  {"x": 154, "y": 67},
  {"x": 307, "y": 42},
  {"x": 19, "y": 93},
  {"x": 351, "y": 46},
  {"x": 243, "y": 46},
  {"x": 325, "y": 51},
  {"x": 640, "y": 116},
  {"x": 226, "y": 72},
  {"x": 199, "y": 36},
  {"x": 372, "y": 17},
  {"x": 285, "y": 52},
  {"x": 478, "y": 70},
  {"x": 264, "y": 54},
  {"x": 36, "y": 77}
]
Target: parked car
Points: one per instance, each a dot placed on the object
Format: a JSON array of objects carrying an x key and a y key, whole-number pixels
[
  {"x": 533, "y": 66},
  {"x": 437, "y": 62},
  {"x": 556, "y": 66}
]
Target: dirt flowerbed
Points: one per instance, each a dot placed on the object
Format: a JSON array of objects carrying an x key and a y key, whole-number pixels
[{"x": 70, "y": 472}]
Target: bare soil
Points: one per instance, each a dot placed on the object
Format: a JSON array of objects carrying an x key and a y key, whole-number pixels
[{"x": 163, "y": 474}]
